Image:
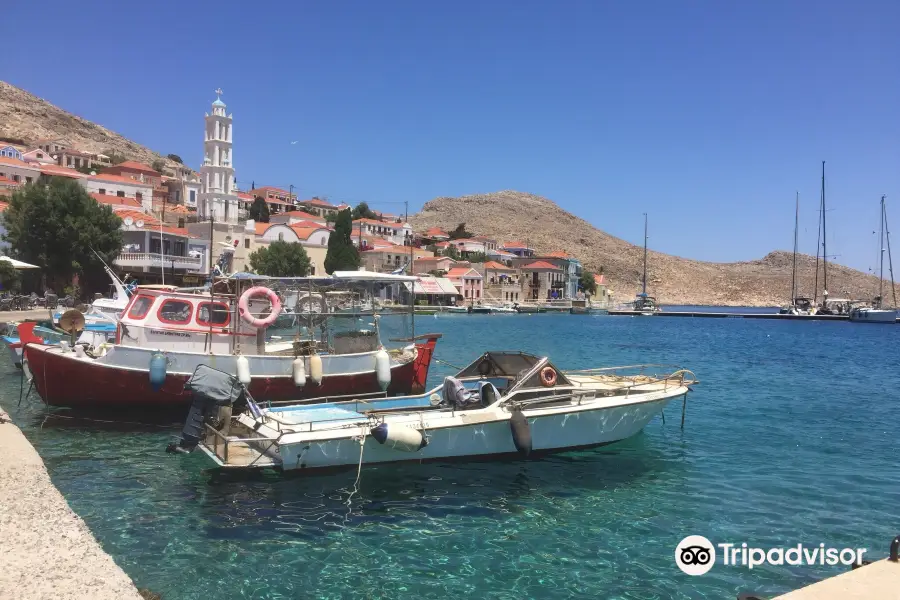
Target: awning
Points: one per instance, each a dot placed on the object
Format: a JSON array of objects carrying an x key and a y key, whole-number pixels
[
  {"x": 434, "y": 285},
  {"x": 18, "y": 264}
]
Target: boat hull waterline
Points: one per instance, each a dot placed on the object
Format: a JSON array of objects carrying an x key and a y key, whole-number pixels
[{"x": 550, "y": 434}]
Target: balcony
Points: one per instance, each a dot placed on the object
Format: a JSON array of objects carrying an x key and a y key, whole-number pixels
[{"x": 133, "y": 260}]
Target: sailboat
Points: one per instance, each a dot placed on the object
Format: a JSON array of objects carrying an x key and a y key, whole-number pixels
[
  {"x": 643, "y": 303},
  {"x": 797, "y": 306},
  {"x": 832, "y": 306},
  {"x": 877, "y": 313}
]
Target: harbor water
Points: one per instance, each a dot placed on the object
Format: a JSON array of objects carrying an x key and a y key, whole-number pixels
[{"x": 788, "y": 439}]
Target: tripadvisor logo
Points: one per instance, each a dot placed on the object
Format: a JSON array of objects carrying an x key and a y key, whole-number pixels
[{"x": 696, "y": 555}]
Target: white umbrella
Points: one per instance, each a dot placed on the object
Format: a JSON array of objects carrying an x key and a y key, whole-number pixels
[{"x": 18, "y": 264}]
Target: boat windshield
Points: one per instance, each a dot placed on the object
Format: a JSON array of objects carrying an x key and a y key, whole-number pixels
[{"x": 520, "y": 370}]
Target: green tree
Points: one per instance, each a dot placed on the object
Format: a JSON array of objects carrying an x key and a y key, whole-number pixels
[
  {"x": 342, "y": 255},
  {"x": 56, "y": 226},
  {"x": 281, "y": 259},
  {"x": 259, "y": 210},
  {"x": 330, "y": 217},
  {"x": 587, "y": 284},
  {"x": 158, "y": 165},
  {"x": 115, "y": 157},
  {"x": 175, "y": 158},
  {"x": 477, "y": 257},
  {"x": 460, "y": 232},
  {"x": 9, "y": 277},
  {"x": 362, "y": 211},
  {"x": 452, "y": 252}
]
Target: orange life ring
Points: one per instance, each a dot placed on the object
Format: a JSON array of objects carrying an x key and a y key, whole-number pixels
[
  {"x": 548, "y": 377},
  {"x": 244, "y": 309}
]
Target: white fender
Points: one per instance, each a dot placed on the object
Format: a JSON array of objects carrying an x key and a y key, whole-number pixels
[
  {"x": 298, "y": 369},
  {"x": 243, "y": 370},
  {"x": 315, "y": 369},
  {"x": 383, "y": 369},
  {"x": 398, "y": 437}
]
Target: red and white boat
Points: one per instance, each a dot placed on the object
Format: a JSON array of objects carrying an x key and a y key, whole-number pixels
[{"x": 190, "y": 329}]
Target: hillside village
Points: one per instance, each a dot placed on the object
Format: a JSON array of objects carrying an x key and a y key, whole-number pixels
[{"x": 176, "y": 221}]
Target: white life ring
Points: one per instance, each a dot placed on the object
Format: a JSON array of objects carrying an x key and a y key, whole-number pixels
[{"x": 244, "y": 310}]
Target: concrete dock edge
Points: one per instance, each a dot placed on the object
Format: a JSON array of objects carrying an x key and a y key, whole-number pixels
[
  {"x": 878, "y": 580},
  {"x": 46, "y": 550}
]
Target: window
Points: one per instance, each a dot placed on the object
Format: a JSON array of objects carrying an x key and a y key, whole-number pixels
[
  {"x": 193, "y": 197},
  {"x": 28, "y": 180},
  {"x": 176, "y": 312},
  {"x": 16, "y": 178},
  {"x": 39, "y": 155},
  {"x": 102, "y": 191},
  {"x": 280, "y": 237},
  {"x": 246, "y": 242},
  {"x": 221, "y": 316},
  {"x": 140, "y": 307},
  {"x": 120, "y": 194}
]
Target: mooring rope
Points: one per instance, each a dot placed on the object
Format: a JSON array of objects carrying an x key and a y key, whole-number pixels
[
  {"x": 444, "y": 362},
  {"x": 362, "y": 445}
]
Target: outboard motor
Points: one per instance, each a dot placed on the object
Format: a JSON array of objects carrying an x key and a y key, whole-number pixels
[{"x": 211, "y": 390}]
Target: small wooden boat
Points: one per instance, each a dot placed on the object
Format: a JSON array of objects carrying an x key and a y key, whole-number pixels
[{"x": 503, "y": 404}]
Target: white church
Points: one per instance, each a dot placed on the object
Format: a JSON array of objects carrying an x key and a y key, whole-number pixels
[{"x": 218, "y": 192}]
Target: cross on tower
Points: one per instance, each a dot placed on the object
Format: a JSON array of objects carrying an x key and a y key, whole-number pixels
[{"x": 218, "y": 92}]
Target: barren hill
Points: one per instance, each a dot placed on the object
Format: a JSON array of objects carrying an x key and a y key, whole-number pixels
[
  {"x": 511, "y": 215},
  {"x": 25, "y": 116}
]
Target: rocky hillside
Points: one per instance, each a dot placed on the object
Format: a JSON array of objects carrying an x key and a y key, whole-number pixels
[
  {"x": 25, "y": 116},
  {"x": 510, "y": 215}
]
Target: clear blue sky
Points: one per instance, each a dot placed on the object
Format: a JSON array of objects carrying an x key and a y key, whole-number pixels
[{"x": 708, "y": 115}]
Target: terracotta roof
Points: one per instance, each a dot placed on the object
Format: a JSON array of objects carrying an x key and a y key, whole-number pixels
[
  {"x": 57, "y": 171},
  {"x": 599, "y": 279},
  {"x": 436, "y": 231},
  {"x": 245, "y": 196},
  {"x": 319, "y": 202},
  {"x": 115, "y": 200},
  {"x": 539, "y": 265},
  {"x": 151, "y": 223},
  {"x": 495, "y": 266},
  {"x": 304, "y": 233},
  {"x": 307, "y": 223},
  {"x": 463, "y": 271},
  {"x": 119, "y": 179},
  {"x": 178, "y": 208},
  {"x": 390, "y": 224},
  {"x": 271, "y": 188},
  {"x": 9, "y": 182},
  {"x": 15, "y": 162},
  {"x": 131, "y": 165},
  {"x": 3, "y": 206},
  {"x": 343, "y": 206},
  {"x": 515, "y": 244},
  {"x": 558, "y": 254},
  {"x": 299, "y": 214}
]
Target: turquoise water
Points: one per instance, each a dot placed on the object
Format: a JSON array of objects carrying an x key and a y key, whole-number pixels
[{"x": 789, "y": 439}]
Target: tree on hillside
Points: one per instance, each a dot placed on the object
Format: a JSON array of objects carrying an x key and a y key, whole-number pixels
[
  {"x": 56, "y": 226},
  {"x": 259, "y": 210},
  {"x": 460, "y": 232},
  {"x": 281, "y": 259},
  {"x": 158, "y": 165},
  {"x": 362, "y": 211},
  {"x": 476, "y": 257},
  {"x": 587, "y": 284},
  {"x": 342, "y": 255},
  {"x": 175, "y": 158},
  {"x": 115, "y": 157}
]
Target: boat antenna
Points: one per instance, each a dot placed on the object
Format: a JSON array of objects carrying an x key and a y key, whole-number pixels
[
  {"x": 887, "y": 234},
  {"x": 644, "y": 287},
  {"x": 794, "y": 269}
]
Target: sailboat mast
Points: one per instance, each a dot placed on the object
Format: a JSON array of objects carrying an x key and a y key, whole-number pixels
[
  {"x": 794, "y": 269},
  {"x": 887, "y": 232},
  {"x": 824, "y": 239},
  {"x": 881, "y": 257},
  {"x": 645, "y": 256}
]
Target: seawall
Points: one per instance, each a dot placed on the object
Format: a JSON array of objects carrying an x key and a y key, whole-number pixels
[{"x": 46, "y": 550}]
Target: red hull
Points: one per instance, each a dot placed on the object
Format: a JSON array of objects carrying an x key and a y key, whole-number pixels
[{"x": 62, "y": 381}]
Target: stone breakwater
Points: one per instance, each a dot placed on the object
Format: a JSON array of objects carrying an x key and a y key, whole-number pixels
[{"x": 46, "y": 550}]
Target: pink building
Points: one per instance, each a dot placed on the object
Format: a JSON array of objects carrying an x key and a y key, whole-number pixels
[{"x": 468, "y": 282}]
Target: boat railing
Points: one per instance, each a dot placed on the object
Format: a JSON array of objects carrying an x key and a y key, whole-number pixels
[{"x": 684, "y": 376}]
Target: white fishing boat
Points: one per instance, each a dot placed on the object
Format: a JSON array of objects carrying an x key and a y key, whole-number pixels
[
  {"x": 455, "y": 309},
  {"x": 505, "y": 404},
  {"x": 877, "y": 313}
]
